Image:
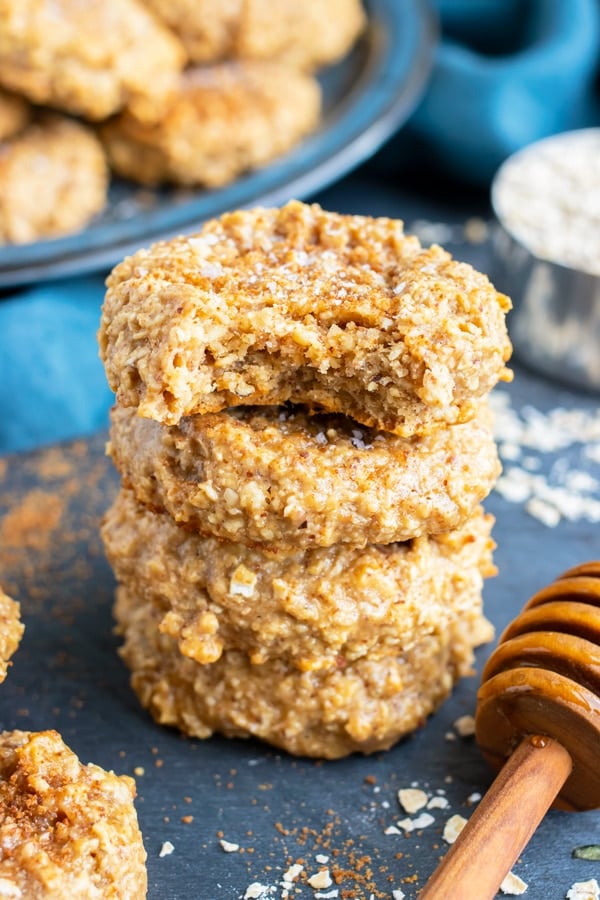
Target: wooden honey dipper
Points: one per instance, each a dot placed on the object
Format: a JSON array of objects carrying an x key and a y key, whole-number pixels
[{"x": 538, "y": 721}]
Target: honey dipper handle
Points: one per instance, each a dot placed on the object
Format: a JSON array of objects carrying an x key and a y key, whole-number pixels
[{"x": 503, "y": 823}]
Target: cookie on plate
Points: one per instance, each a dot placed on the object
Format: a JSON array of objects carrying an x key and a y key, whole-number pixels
[
  {"x": 306, "y": 35},
  {"x": 53, "y": 180},
  {"x": 223, "y": 120},
  {"x": 67, "y": 830},
  {"x": 15, "y": 113},
  {"x": 276, "y": 475},
  {"x": 312, "y": 608},
  {"x": 11, "y": 631},
  {"x": 343, "y": 313},
  {"x": 364, "y": 706},
  {"x": 89, "y": 59}
]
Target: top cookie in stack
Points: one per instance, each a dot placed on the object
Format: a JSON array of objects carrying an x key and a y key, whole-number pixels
[
  {"x": 304, "y": 440},
  {"x": 345, "y": 314}
]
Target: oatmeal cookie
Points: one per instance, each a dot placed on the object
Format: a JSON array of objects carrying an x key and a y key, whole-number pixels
[
  {"x": 15, "y": 113},
  {"x": 53, "y": 180},
  {"x": 11, "y": 632},
  {"x": 343, "y": 313},
  {"x": 306, "y": 35},
  {"x": 224, "y": 120},
  {"x": 88, "y": 58},
  {"x": 66, "y": 830},
  {"x": 363, "y": 706},
  {"x": 272, "y": 474},
  {"x": 313, "y": 608}
]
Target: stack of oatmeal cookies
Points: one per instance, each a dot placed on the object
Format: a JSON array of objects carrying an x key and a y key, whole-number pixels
[
  {"x": 183, "y": 92},
  {"x": 304, "y": 442}
]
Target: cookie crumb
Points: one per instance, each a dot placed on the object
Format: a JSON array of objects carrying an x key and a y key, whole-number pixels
[
  {"x": 320, "y": 879},
  {"x": 465, "y": 726},
  {"x": 513, "y": 885},
  {"x": 584, "y": 890}
]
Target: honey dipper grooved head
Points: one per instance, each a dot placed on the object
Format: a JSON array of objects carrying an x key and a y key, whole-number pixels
[{"x": 544, "y": 679}]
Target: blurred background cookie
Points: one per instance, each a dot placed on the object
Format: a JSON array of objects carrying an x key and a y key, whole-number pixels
[
  {"x": 222, "y": 121},
  {"x": 11, "y": 630},
  {"x": 53, "y": 179},
  {"x": 305, "y": 35},
  {"x": 89, "y": 59},
  {"x": 66, "y": 829},
  {"x": 15, "y": 113}
]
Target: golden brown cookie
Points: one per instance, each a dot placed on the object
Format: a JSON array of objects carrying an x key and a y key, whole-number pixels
[
  {"x": 53, "y": 180},
  {"x": 66, "y": 830},
  {"x": 343, "y": 313},
  {"x": 312, "y": 608},
  {"x": 364, "y": 706},
  {"x": 224, "y": 120},
  {"x": 15, "y": 113},
  {"x": 306, "y": 35},
  {"x": 11, "y": 632},
  {"x": 89, "y": 58},
  {"x": 275, "y": 475}
]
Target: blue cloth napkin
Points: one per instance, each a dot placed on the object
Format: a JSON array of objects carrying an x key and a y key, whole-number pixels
[
  {"x": 52, "y": 384},
  {"x": 506, "y": 73}
]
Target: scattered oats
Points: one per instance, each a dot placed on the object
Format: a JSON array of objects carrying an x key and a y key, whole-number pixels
[
  {"x": 465, "y": 726},
  {"x": 412, "y": 799},
  {"x": 385, "y": 804},
  {"x": 438, "y": 803},
  {"x": 166, "y": 849},
  {"x": 513, "y": 885},
  {"x": 545, "y": 513},
  {"x": 321, "y": 858},
  {"x": 584, "y": 890},
  {"x": 329, "y": 895},
  {"x": 450, "y": 736},
  {"x": 397, "y": 894},
  {"x": 475, "y": 797},
  {"x": 228, "y": 846},
  {"x": 422, "y": 821},
  {"x": 453, "y": 828},
  {"x": 509, "y": 451},
  {"x": 391, "y": 829},
  {"x": 320, "y": 879},
  {"x": 567, "y": 489},
  {"x": 593, "y": 452}
]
